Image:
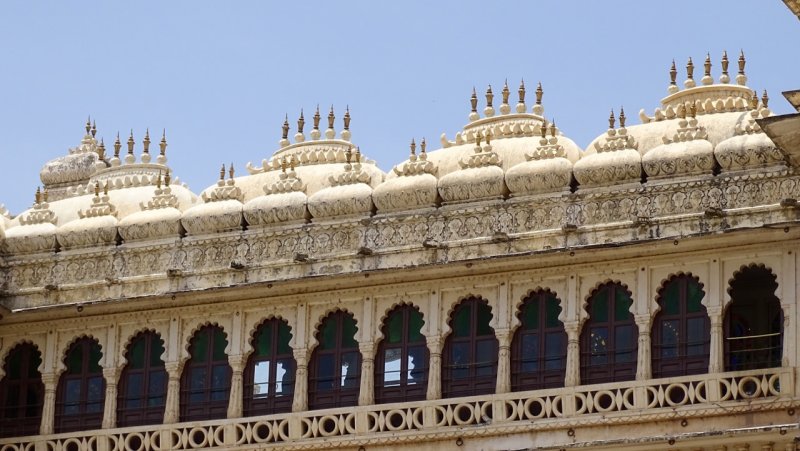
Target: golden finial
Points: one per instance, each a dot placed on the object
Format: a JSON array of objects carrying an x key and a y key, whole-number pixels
[
  {"x": 301, "y": 122},
  {"x": 754, "y": 100},
  {"x": 539, "y": 93},
  {"x": 158, "y": 180},
  {"x": 690, "y": 69},
  {"x": 506, "y": 92},
  {"x": 331, "y": 118},
  {"x": 163, "y": 143},
  {"x": 316, "y": 119},
  {"x": 348, "y": 154},
  {"x": 543, "y": 129},
  {"x": 166, "y": 179},
  {"x": 96, "y": 189},
  {"x": 347, "y": 118},
  {"x": 611, "y": 119},
  {"x": 692, "y": 110},
  {"x": 222, "y": 172},
  {"x": 478, "y": 138},
  {"x": 291, "y": 163},
  {"x": 422, "y": 145},
  {"x": 489, "y": 96},
  {"x": 765, "y": 99},
  {"x": 37, "y": 198},
  {"x": 707, "y": 65},
  {"x": 621, "y": 117},
  {"x": 742, "y": 62},
  {"x": 88, "y": 125},
  {"x": 283, "y": 164},
  {"x": 488, "y": 136},
  {"x": 521, "y": 91},
  {"x": 131, "y": 143},
  {"x": 101, "y": 150},
  {"x": 94, "y": 129},
  {"x": 45, "y": 194},
  {"x": 725, "y": 62},
  {"x": 105, "y": 189},
  {"x": 673, "y": 74},
  {"x": 230, "y": 171},
  {"x": 358, "y": 155},
  {"x": 117, "y": 146},
  {"x": 146, "y": 141},
  {"x": 285, "y": 127},
  {"x": 553, "y": 127},
  {"x": 473, "y": 101},
  {"x": 682, "y": 111},
  {"x": 413, "y": 147}
]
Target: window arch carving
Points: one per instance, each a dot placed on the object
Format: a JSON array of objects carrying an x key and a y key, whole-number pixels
[
  {"x": 143, "y": 382},
  {"x": 609, "y": 339},
  {"x": 681, "y": 329},
  {"x": 270, "y": 372},
  {"x": 81, "y": 388},
  {"x": 539, "y": 346},
  {"x": 401, "y": 365},
  {"x": 335, "y": 363},
  {"x": 21, "y": 392},
  {"x": 206, "y": 379},
  {"x": 469, "y": 361},
  {"x": 753, "y": 323}
]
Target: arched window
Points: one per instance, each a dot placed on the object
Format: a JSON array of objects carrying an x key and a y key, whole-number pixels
[
  {"x": 753, "y": 321},
  {"x": 143, "y": 382},
  {"x": 269, "y": 375},
  {"x": 21, "y": 392},
  {"x": 401, "y": 366},
  {"x": 609, "y": 339},
  {"x": 470, "y": 351},
  {"x": 335, "y": 363},
  {"x": 206, "y": 382},
  {"x": 681, "y": 329},
  {"x": 81, "y": 389},
  {"x": 539, "y": 347}
]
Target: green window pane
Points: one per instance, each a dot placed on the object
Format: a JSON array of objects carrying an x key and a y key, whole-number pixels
[
  {"x": 530, "y": 314},
  {"x": 327, "y": 333},
  {"x": 284, "y": 336},
  {"x": 394, "y": 327},
  {"x": 264, "y": 340},
  {"x": 670, "y": 298},
  {"x": 94, "y": 358},
  {"x": 74, "y": 361},
  {"x": 415, "y": 323},
  {"x": 200, "y": 347},
  {"x": 483, "y": 319},
  {"x": 220, "y": 343},
  {"x": 553, "y": 307},
  {"x": 14, "y": 365},
  {"x": 461, "y": 321},
  {"x": 36, "y": 360},
  {"x": 136, "y": 352},
  {"x": 622, "y": 305},
  {"x": 349, "y": 330},
  {"x": 694, "y": 296},
  {"x": 599, "y": 306},
  {"x": 156, "y": 350}
]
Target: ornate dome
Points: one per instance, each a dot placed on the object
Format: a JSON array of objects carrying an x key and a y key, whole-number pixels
[
  {"x": 750, "y": 147},
  {"x": 96, "y": 226},
  {"x": 613, "y": 162},
  {"x": 349, "y": 194},
  {"x": 64, "y": 174},
  {"x": 159, "y": 218},
  {"x": 37, "y": 229},
  {"x": 549, "y": 167},
  {"x": 283, "y": 201},
  {"x": 221, "y": 210},
  {"x": 686, "y": 153},
  {"x": 413, "y": 187}
]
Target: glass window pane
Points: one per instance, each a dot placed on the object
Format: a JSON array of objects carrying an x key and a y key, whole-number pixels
[
  {"x": 284, "y": 377},
  {"x": 417, "y": 363},
  {"x": 220, "y": 343},
  {"x": 156, "y": 350},
  {"x": 158, "y": 385},
  {"x": 530, "y": 318},
  {"x": 598, "y": 345},
  {"x": 599, "y": 306},
  {"x": 460, "y": 359},
  {"x": 553, "y": 310},
  {"x": 555, "y": 351},
  {"x": 219, "y": 377},
  {"x": 136, "y": 353},
  {"x": 94, "y": 357},
  {"x": 530, "y": 353},
  {"x": 694, "y": 297},
  {"x": 327, "y": 334},
  {"x": 263, "y": 344},
  {"x": 35, "y": 361},
  {"x": 461, "y": 320},
  {"x": 200, "y": 347},
  {"x": 284, "y": 336},
  {"x": 482, "y": 326},
  {"x": 14, "y": 365},
  {"x": 622, "y": 305},
  {"x": 72, "y": 396},
  {"x": 350, "y": 369},
  {"x": 349, "y": 330},
  {"x": 197, "y": 384},
  {"x": 95, "y": 389},
  {"x": 696, "y": 336},
  {"x": 392, "y": 366},
  {"x": 486, "y": 357},
  {"x": 669, "y": 339},
  {"x": 415, "y": 323},
  {"x": 325, "y": 372},
  {"x": 625, "y": 343},
  {"x": 670, "y": 298},
  {"x": 261, "y": 379},
  {"x": 394, "y": 327},
  {"x": 74, "y": 361},
  {"x": 133, "y": 390}
]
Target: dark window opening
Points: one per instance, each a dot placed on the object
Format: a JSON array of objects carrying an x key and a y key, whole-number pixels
[
  {"x": 206, "y": 381},
  {"x": 609, "y": 339},
  {"x": 753, "y": 321},
  {"x": 335, "y": 363},
  {"x": 539, "y": 347},
  {"x": 270, "y": 371},
  {"x": 81, "y": 389},
  {"x": 681, "y": 329},
  {"x": 143, "y": 382},
  {"x": 469, "y": 364},
  {"x": 21, "y": 392},
  {"x": 401, "y": 366}
]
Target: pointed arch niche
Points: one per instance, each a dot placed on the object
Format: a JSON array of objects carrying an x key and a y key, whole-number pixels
[
  {"x": 143, "y": 382},
  {"x": 609, "y": 337},
  {"x": 469, "y": 361},
  {"x": 270, "y": 372},
  {"x": 206, "y": 380},
  {"x": 335, "y": 370},
  {"x": 401, "y": 364},
  {"x": 21, "y": 392},
  {"x": 81, "y": 391},
  {"x": 539, "y": 346}
]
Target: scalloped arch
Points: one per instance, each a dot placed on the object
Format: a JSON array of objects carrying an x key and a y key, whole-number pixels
[
  {"x": 252, "y": 333},
  {"x": 395, "y": 306},
  {"x": 584, "y": 313},
  {"x": 19, "y": 342},
  {"x": 447, "y": 330},
  {"x": 123, "y": 350},
  {"x": 728, "y": 289},
  {"x": 314, "y": 342},
  {"x": 517, "y": 307},
  {"x": 185, "y": 356},
  {"x": 62, "y": 354}
]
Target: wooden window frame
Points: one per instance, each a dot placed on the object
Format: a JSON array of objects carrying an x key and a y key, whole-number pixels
[
  {"x": 541, "y": 377},
  {"x": 15, "y": 420},
  {"x": 472, "y": 384},
  {"x": 611, "y": 370},
  {"x": 337, "y": 396},
  {"x": 271, "y": 403},
  {"x": 207, "y": 409},
  {"x": 83, "y": 420},
  {"x": 401, "y": 392},
  {"x": 146, "y": 414}
]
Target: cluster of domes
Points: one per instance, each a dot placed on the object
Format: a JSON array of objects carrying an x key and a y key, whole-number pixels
[{"x": 92, "y": 199}]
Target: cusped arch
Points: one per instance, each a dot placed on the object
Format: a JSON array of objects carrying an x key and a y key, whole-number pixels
[
  {"x": 18, "y": 341},
  {"x": 123, "y": 350},
  {"x": 447, "y": 330},
  {"x": 517, "y": 307},
  {"x": 251, "y": 334},
  {"x": 379, "y": 335},
  {"x": 738, "y": 272},
  {"x": 655, "y": 304},
  {"x": 62, "y": 355},
  {"x": 584, "y": 311},
  {"x": 187, "y": 339},
  {"x": 314, "y": 341}
]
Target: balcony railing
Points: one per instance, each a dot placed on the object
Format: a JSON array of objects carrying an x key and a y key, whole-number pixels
[{"x": 618, "y": 403}]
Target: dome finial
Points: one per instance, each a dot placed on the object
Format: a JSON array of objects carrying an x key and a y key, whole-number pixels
[
  {"x": 230, "y": 171},
  {"x": 543, "y": 129},
  {"x": 754, "y": 100},
  {"x": 741, "y": 78},
  {"x": 707, "y": 80},
  {"x": 316, "y": 118},
  {"x": 37, "y": 198},
  {"x": 521, "y": 91},
  {"x": 284, "y": 165},
  {"x": 146, "y": 141},
  {"x": 331, "y": 118},
  {"x": 96, "y": 189},
  {"x": 222, "y": 172},
  {"x": 45, "y": 194},
  {"x": 473, "y": 101},
  {"x": 88, "y": 124},
  {"x": 285, "y": 127},
  {"x": 117, "y": 146},
  {"x": 94, "y": 129},
  {"x": 130, "y": 158},
  {"x": 348, "y": 154},
  {"x": 553, "y": 127},
  {"x": 105, "y": 188},
  {"x": 158, "y": 180},
  {"x": 621, "y": 117},
  {"x": 101, "y": 150},
  {"x": 301, "y": 122},
  {"x": 163, "y": 143},
  {"x": 413, "y": 147},
  {"x": 489, "y": 96},
  {"x": 673, "y": 74},
  {"x": 765, "y": 99},
  {"x": 539, "y": 93},
  {"x": 725, "y": 78},
  {"x": 611, "y": 119},
  {"x": 358, "y": 155},
  {"x": 347, "y": 118},
  {"x": 422, "y": 145},
  {"x": 504, "y": 107},
  {"x": 166, "y": 179},
  {"x": 689, "y": 83}
]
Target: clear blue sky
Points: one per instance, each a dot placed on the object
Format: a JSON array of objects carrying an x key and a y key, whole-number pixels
[{"x": 219, "y": 76}]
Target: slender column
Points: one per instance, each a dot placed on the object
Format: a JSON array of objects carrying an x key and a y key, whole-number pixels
[
  {"x": 573, "y": 367},
  {"x": 300, "y": 402},
  {"x": 50, "y": 380},
  {"x": 503, "y": 361},
  {"x": 173, "y": 402},
  {"x": 644, "y": 365},
  {"x": 366, "y": 395},
  {"x": 716, "y": 358},
  {"x": 237, "y": 363},
  {"x": 434, "y": 368},
  {"x": 110, "y": 406}
]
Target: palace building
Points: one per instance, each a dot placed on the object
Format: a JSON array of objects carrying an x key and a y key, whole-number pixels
[{"x": 508, "y": 290}]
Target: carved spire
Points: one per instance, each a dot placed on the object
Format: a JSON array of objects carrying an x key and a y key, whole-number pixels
[
  {"x": 725, "y": 78},
  {"x": 413, "y": 147},
  {"x": 131, "y": 143},
  {"x": 38, "y": 196},
  {"x": 331, "y": 118},
  {"x": 765, "y": 99},
  {"x": 163, "y": 143},
  {"x": 422, "y": 146},
  {"x": 94, "y": 129},
  {"x": 473, "y": 101},
  {"x": 621, "y": 117},
  {"x": 553, "y": 127},
  {"x": 285, "y": 128},
  {"x": 301, "y": 122},
  {"x": 489, "y": 96},
  {"x": 96, "y": 189},
  {"x": 166, "y": 178},
  {"x": 611, "y": 119},
  {"x": 707, "y": 80},
  {"x": 88, "y": 125},
  {"x": 673, "y": 74},
  {"x": 754, "y": 100},
  {"x": 101, "y": 150},
  {"x": 521, "y": 102},
  {"x": 146, "y": 141},
  {"x": 741, "y": 78},
  {"x": 222, "y": 172},
  {"x": 506, "y": 92},
  {"x": 347, "y": 118},
  {"x": 158, "y": 180},
  {"x": 539, "y": 94},
  {"x": 316, "y": 118},
  {"x": 230, "y": 171},
  {"x": 689, "y": 83}
]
